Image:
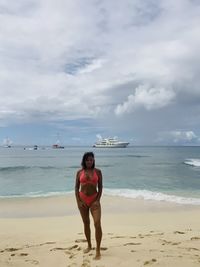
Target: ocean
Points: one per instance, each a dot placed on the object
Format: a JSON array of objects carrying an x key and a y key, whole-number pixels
[{"x": 169, "y": 174}]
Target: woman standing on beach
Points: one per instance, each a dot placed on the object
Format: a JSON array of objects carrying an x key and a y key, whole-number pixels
[{"x": 88, "y": 190}]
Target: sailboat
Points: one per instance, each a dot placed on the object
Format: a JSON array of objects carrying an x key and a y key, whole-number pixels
[
  {"x": 7, "y": 142},
  {"x": 57, "y": 144}
]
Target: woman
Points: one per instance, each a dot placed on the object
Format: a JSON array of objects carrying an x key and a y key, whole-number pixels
[{"x": 88, "y": 190}]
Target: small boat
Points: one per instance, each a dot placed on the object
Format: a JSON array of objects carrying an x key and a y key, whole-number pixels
[
  {"x": 35, "y": 147},
  {"x": 57, "y": 146},
  {"x": 110, "y": 143},
  {"x": 7, "y": 142}
]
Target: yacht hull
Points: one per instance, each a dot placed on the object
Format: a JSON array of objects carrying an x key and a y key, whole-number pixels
[{"x": 110, "y": 143}]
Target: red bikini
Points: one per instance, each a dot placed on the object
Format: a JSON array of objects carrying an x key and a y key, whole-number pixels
[{"x": 84, "y": 180}]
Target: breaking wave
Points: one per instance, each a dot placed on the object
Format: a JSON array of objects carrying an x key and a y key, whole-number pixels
[
  {"x": 150, "y": 195},
  {"x": 127, "y": 193},
  {"x": 193, "y": 162}
]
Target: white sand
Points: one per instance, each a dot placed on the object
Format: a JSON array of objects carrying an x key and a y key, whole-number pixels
[{"x": 49, "y": 232}]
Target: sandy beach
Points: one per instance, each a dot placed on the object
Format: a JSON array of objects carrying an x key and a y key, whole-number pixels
[{"x": 49, "y": 232}]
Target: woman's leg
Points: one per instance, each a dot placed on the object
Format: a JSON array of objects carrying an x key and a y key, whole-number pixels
[
  {"x": 84, "y": 211},
  {"x": 96, "y": 214}
]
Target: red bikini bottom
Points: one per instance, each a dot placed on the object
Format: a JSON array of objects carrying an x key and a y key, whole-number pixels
[{"x": 88, "y": 199}]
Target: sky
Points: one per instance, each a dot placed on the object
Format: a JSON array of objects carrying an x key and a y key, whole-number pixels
[{"x": 74, "y": 70}]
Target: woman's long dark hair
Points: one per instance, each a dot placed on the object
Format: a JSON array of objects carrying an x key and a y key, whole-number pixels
[{"x": 85, "y": 157}]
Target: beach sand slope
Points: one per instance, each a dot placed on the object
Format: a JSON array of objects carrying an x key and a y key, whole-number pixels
[{"x": 143, "y": 237}]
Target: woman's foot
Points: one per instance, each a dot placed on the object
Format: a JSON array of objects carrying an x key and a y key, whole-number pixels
[
  {"x": 98, "y": 255},
  {"x": 87, "y": 249}
]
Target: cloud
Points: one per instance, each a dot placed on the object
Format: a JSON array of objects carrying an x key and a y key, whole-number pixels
[
  {"x": 64, "y": 60},
  {"x": 179, "y": 137},
  {"x": 149, "y": 98},
  {"x": 186, "y": 136}
]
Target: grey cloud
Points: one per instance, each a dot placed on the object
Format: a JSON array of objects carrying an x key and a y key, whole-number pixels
[{"x": 63, "y": 60}]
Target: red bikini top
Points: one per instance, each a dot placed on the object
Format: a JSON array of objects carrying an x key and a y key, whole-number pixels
[{"x": 84, "y": 180}]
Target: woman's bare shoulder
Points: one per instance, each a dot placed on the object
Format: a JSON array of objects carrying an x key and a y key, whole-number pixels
[
  {"x": 98, "y": 170},
  {"x": 78, "y": 172}
]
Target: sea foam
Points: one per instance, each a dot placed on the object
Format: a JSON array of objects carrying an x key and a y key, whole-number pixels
[
  {"x": 150, "y": 195},
  {"x": 123, "y": 192},
  {"x": 193, "y": 162}
]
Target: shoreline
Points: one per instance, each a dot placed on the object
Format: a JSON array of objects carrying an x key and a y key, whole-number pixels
[
  {"x": 53, "y": 206},
  {"x": 48, "y": 232},
  {"x": 127, "y": 193}
]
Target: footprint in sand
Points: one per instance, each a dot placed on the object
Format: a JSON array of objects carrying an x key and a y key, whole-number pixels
[
  {"x": 179, "y": 232},
  {"x": 53, "y": 249},
  {"x": 20, "y": 254},
  {"x": 157, "y": 234},
  {"x": 103, "y": 248},
  {"x": 74, "y": 247},
  {"x": 47, "y": 243},
  {"x": 71, "y": 254},
  {"x": 35, "y": 262},
  {"x": 72, "y": 265},
  {"x": 80, "y": 240},
  {"x": 141, "y": 236},
  {"x": 152, "y": 233},
  {"x": 165, "y": 242},
  {"x": 119, "y": 236},
  {"x": 150, "y": 262},
  {"x": 130, "y": 244},
  {"x": 195, "y": 238},
  {"x": 190, "y": 249},
  {"x": 86, "y": 263},
  {"x": 10, "y": 249},
  {"x": 110, "y": 233},
  {"x": 68, "y": 251}
]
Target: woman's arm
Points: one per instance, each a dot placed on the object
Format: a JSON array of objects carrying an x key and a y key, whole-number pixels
[
  {"x": 77, "y": 186},
  {"x": 100, "y": 184}
]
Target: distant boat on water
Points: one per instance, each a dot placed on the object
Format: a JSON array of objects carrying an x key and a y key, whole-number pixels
[
  {"x": 35, "y": 147},
  {"x": 57, "y": 146},
  {"x": 110, "y": 143},
  {"x": 7, "y": 142}
]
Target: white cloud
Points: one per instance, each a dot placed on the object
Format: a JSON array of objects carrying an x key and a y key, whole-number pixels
[
  {"x": 178, "y": 137},
  {"x": 147, "y": 97},
  {"x": 183, "y": 136}
]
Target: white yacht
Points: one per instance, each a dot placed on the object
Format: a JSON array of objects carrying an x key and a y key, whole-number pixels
[{"x": 110, "y": 142}]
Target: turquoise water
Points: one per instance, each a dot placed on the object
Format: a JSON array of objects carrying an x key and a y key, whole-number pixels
[{"x": 155, "y": 173}]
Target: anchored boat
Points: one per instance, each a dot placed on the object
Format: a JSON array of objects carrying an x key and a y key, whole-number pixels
[{"x": 110, "y": 142}]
